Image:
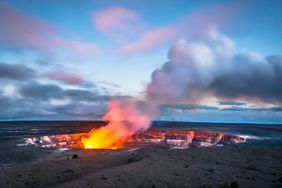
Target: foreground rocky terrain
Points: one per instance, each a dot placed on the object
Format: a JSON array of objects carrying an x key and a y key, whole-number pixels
[{"x": 228, "y": 166}]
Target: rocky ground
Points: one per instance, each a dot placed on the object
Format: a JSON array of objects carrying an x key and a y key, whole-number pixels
[{"x": 228, "y": 166}]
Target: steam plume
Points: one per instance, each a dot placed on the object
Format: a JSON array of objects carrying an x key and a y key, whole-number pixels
[{"x": 207, "y": 66}]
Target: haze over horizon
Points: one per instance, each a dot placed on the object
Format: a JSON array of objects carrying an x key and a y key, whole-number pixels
[{"x": 208, "y": 61}]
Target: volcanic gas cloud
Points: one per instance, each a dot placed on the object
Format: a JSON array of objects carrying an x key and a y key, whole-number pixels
[
  {"x": 125, "y": 118},
  {"x": 205, "y": 66}
]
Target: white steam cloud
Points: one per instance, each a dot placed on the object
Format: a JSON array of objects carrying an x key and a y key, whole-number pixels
[
  {"x": 196, "y": 69},
  {"x": 209, "y": 66}
]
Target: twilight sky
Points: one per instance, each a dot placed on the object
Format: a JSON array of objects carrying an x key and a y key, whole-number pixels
[{"x": 207, "y": 61}]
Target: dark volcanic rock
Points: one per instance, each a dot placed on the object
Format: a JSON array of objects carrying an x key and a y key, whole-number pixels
[
  {"x": 74, "y": 156},
  {"x": 234, "y": 184}
]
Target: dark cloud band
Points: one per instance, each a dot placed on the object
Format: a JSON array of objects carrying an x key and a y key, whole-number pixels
[{"x": 16, "y": 72}]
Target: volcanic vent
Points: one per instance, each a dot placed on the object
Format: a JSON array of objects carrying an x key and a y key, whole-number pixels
[{"x": 157, "y": 138}]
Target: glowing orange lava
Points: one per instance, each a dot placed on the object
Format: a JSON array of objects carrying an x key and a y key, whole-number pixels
[
  {"x": 163, "y": 138},
  {"x": 124, "y": 120},
  {"x": 108, "y": 137}
]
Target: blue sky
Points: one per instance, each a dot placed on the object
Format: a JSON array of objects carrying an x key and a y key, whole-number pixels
[{"x": 79, "y": 55}]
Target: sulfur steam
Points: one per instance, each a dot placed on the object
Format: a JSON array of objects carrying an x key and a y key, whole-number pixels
[{"x": 206, "y": 66}]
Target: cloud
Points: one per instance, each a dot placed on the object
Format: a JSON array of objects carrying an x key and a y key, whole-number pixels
[
  {"x": 85, "y": 95},
  {"x": 77, "y": 48},
  {"x": 196, "y": 23},
  {"x": 25, "y": 74},
  {"x": 27, "y": 108},
  {"x": 193, "y": 25},
  {"x": 252, "y": 77},
  {"x": 244, "y": 109},
  {"x": 66, "y": 77},
  {"x": 16, "y": 72},
  {"x": 44, "y": 101},
  {"x": 115, "y": 21},
  {"x": 193, "y": 107},
  {"x": 35, "y": 91},
  {"x": 185, "y": 107},
  {"x": 273, "y": 109},
  {"x": 232, "y": 103},
  {"x": 191, "y": 66},
  {"x": 33, "y": 33},
  {"x": 21, "y": 32},
  {"x": 224, "y": 116},
  {"x": 81, "y": 110},
  {"x": 209, "y": 67},
  {"x": 16, "y": 108},
  {"x": 37, "y": 100},
  {"x": 150, "y": 40},
  {"x": 109, "y": 84}
]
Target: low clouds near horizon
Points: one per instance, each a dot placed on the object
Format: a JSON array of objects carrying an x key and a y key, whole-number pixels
[{"x": 47, "y": 74}]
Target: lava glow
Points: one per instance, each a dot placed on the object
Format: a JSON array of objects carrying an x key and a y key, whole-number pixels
[
  {"x": 124, "y": 120},
  {"x": 108, "y": 137},
  {"x": 127, "y": 127},
  {"x": 163, "y": 138}
]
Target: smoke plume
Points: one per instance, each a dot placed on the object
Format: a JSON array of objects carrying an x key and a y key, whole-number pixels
[
  {"x": 197, "y": 69},
  {"x": 209, "y": 66},
  {"x": 124, "y": 119}
]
